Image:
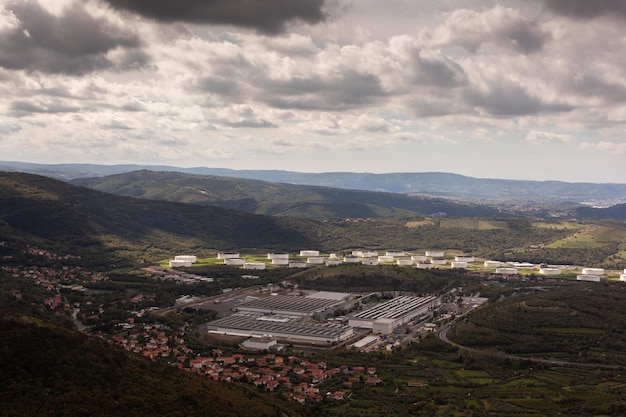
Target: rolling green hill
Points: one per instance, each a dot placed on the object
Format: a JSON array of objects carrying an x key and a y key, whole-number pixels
[
  {"x": 569, "y": 324},
  {"x": 108, "y": 229},
  {"x": 277, "y": 199},
  {"x": 39, "y": 209}
]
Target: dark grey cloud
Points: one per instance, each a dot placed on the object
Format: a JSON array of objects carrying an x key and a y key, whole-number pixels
[
  {"x": 587, "y": 9},
  {"x": 351, "y": 90},
  {"x": 72, "y": 43},
  {"x": 509, "y": 99},
  {"x": 268, "y": 16},
  {"x": 23, "y": 108},
  {"x": 437, "y": 71}
]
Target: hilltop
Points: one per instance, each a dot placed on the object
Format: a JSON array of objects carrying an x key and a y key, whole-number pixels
[{"x": 39, "y": 209}]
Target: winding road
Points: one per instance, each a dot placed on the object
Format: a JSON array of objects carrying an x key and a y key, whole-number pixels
[{"x": 442, "y": 334}]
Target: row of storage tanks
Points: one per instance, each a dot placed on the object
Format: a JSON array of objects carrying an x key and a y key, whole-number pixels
[{"x": 428, "y": 260}]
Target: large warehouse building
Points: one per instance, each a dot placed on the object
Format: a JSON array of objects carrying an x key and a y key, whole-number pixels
[
  {"x": 278, "y": 326},
  {"x": 385, "y": 317},
  {"x": 296, "y": 306}
]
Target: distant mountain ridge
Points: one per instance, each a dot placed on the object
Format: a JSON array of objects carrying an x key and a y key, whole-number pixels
[
  {"x": 434, "y": 183},
  {"x": 279, "y": 199}
]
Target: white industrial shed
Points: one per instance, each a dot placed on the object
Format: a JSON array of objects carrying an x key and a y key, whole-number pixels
[
  {"x": 260, "y": 325},
  {"x": 400, "y": 310},
  {"x": 291, "y": 305}
]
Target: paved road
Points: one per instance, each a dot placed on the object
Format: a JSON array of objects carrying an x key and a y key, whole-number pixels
[{"x": 442, "y": 334}]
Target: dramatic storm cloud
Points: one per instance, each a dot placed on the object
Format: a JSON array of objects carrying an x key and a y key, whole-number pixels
[
  {"x": 268, "y": 16},
  {"x": 529, "y": 89},
  {"x": 73, "y": 42}
]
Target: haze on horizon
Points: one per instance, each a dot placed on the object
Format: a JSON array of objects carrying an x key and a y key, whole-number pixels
[{"x": 514, "y": 89}]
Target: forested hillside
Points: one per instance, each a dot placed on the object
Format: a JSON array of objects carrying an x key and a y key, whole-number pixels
[{"x": 278, "y": 199}]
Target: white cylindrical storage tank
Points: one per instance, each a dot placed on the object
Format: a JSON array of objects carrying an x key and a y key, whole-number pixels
[
  {"x": 550, "y": 271},
  {"x": 467, "y": 259},
  {"x": 435, "y": 253},
  {"x": 351, "y": 259},
  {"x": 278, "y": 255},
  {"x": 458, "y": 264},
  {"x": 492, "y": 264},
  {"x": 234, "y": 261},
  {"x": 506, "y": 271},
  {"x": 254, "y": 265},
  {"x": 593, "y": 271},
  {"x": 309, "y": 253},
  {"x": 418, "y": 258},
  {"x": 404, "y": 262},
  {"x": 588, "y": 277},
  {"x": 191, "y": 258},
  {"x": 178, "y": 263},
  {"x": 227, "y": 255},
  {"x": 385, "y": 258},
  {"x": 315, "y": 260}
]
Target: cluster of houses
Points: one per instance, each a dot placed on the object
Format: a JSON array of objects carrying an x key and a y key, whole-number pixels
[
  {"x": 53, "y": 279},
  {"x": 299, "y": 379}
]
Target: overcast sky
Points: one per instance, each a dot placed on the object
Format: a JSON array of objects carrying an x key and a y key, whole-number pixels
[{"x": 520, "y": 89}]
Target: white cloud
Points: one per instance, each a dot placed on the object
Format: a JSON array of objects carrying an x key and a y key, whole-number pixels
[
  {"x": 605, "y": 146},
  {"x": 536, "y": 136}
]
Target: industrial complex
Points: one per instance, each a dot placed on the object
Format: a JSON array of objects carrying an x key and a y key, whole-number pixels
[{"x": 311, "y": 319}]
